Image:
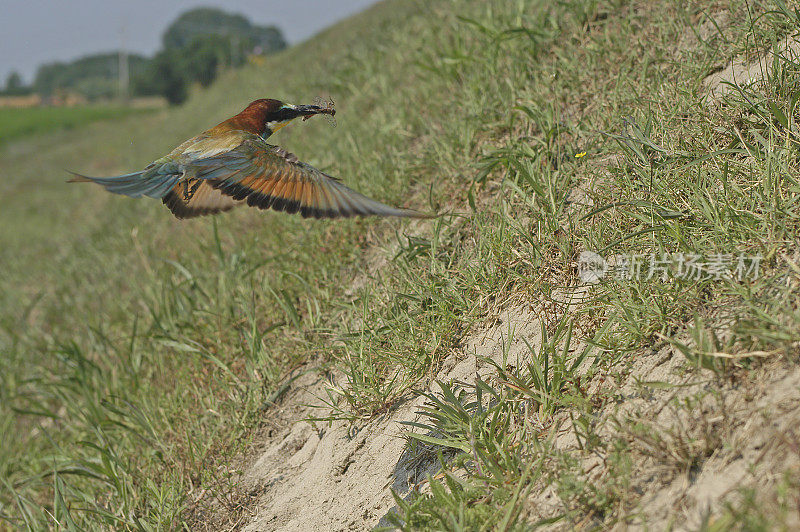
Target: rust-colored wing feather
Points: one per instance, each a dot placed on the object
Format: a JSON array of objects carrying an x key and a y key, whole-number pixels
[
  {"x": 269, "y": 177},
  {"x": 195, "y": 197}
]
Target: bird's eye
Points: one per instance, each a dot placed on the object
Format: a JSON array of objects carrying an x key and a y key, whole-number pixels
[{"x": 282, "y": 113}]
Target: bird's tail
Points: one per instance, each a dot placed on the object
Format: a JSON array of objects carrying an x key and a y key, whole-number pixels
[{"x": 135, "y": 185}]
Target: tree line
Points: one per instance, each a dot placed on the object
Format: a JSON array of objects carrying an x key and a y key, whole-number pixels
[{"x": 195, "y": 48}]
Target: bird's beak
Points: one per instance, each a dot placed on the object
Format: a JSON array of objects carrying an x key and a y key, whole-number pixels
[{"x": 311, "y": 110}]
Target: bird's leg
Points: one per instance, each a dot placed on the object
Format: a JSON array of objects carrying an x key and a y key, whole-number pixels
[{"x": 188, "y": 193}]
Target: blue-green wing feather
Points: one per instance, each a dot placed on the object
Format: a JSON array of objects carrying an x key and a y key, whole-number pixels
[{"x": 151, "y": 183}]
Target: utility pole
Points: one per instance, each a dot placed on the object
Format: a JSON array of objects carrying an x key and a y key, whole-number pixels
[
  {"x": 234, "y": 50},
  {"x": 124, "y": 74}
]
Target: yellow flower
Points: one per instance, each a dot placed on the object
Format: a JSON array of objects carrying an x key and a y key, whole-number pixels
[{"x": 581, "y": 154}]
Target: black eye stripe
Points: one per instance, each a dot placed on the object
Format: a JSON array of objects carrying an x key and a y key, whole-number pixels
[{"x": 285, "y": 113}]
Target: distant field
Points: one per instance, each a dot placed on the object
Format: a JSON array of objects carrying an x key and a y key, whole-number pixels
[{"x": 16, "y": 123}]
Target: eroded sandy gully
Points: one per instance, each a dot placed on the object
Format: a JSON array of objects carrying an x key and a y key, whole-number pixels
[{"x": 339, "y": 477}]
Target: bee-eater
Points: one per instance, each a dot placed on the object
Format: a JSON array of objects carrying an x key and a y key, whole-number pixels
[{"x": 231, "y": 164}]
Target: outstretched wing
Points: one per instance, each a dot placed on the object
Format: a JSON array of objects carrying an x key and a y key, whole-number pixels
[
  {"x": 195, "y": 197},
  {"x": 269, "y": 177}
]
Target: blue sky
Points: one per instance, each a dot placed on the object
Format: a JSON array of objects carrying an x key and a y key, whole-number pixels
[{"x": 38, "y": 31}]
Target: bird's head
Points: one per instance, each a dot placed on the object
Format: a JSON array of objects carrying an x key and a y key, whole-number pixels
[{"x": 270, "y": 115}]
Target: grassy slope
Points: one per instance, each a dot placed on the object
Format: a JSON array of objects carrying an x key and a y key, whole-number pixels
[{"x": 138, "y": 350}]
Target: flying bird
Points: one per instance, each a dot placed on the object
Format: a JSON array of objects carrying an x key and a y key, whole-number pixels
[{"x": 232, "y": 164}]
